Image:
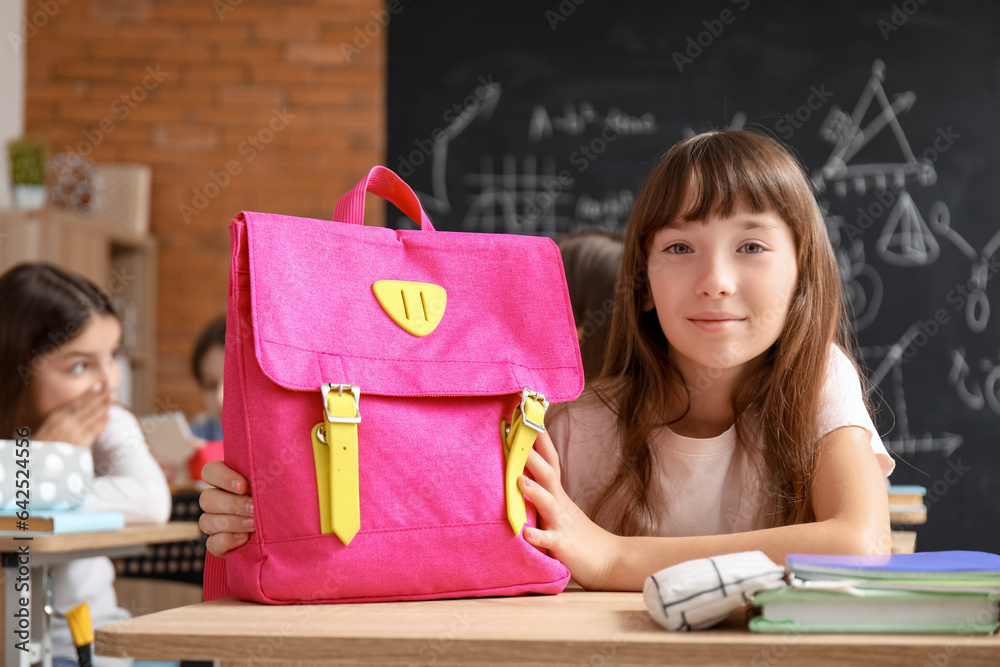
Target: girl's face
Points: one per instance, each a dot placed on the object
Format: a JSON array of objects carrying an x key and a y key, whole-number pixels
[
  {"x": 722, "y": 289},
  {"x": 73, "y": 369},
  {"x": 211, "y": 367}
]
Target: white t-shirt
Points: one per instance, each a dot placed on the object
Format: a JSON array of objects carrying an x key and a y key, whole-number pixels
[
  {"x": 705, "y": 488},
  {"x": 127, "y": 479}
]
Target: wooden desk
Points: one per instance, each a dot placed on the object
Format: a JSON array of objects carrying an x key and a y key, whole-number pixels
[
  {"x": 48, "y": 550},
  {"x": 574, "y": 628}
]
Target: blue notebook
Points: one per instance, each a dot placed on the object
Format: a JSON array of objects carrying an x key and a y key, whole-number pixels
[
  {"x": 907, "y": 489},
  {"x": 55, "y": 522},
  {"x": 976, "y": 566}
]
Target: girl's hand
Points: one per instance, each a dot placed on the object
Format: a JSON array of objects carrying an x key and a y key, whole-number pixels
[
  {"x": 586, "y": 549},
  {"x": 80, "y": 420},
  {"x": 228, "y": 516}
]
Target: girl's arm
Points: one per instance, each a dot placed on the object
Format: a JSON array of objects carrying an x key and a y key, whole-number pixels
[
  {"x": 127, "y": 477},
  {"x": 849, "y": 501}
]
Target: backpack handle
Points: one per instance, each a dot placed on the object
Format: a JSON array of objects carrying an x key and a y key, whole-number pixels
[{"x": 386, "y": 184}]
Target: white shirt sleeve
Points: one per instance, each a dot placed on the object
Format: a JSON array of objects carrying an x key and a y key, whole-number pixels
[
  {"x": 126, "y": 476},
  {"x": 842, "y": 404}
]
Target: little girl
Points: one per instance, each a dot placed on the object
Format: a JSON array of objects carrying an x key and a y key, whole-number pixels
[
  {"x": 58, "y": 379},
  {"x": 728, "y": 416}
]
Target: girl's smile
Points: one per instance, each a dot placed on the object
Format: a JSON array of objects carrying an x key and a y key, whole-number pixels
[{"x": 712, "y": 321}]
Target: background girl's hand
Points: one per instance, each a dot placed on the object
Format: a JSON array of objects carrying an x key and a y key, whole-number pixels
[
  {"x": 228, "y": 516},
  {"x": 586, "y": 549},
  {"x": 80, "y": 420}
]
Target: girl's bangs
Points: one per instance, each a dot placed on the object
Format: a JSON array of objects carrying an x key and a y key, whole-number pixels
[{"x": 721, "y": 174}]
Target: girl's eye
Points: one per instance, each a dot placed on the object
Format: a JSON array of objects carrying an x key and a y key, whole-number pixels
[
  {"x": 78, "y": 368},
  {"x": 751, "y": 248},
  {"x": 678, "y": 249}
]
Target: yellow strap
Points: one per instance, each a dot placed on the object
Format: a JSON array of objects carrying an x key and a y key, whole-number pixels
[
  {"x": 337, "y": 469},
  {"x": 518, "y": 441},
  {"x": 321, "y": 456}
]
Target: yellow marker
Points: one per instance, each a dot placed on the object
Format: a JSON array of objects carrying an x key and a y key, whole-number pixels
[
  {"x": 416, "y": 307},
  {"x": 518, "y": 438},
  {"x": 83, "y": 632}
]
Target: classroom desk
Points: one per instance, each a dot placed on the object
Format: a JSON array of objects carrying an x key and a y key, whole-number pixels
[
  {"x": 46, "y": 551},
  {"x": 574, "y": 628}
]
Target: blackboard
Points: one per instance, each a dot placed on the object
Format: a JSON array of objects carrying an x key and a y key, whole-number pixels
[{"x": 541, "y": 117}]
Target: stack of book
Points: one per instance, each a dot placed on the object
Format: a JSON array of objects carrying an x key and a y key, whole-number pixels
[
  {"x": 932, "y": 592},
  {"x": 906, "y": 508}
]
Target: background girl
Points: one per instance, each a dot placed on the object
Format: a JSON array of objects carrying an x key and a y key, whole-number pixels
[
  {"x": 592, "y": 260},
  {"x": 728, "y": 416},
  {"x": 207, "y": 361},
  {"x": 58, "y": 339}
]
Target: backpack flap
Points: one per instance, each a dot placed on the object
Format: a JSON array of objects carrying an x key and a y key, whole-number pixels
[{"x": 468, "y": 314}]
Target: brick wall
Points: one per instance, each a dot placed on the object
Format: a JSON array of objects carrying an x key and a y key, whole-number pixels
[{"x": 235, "y": 104}]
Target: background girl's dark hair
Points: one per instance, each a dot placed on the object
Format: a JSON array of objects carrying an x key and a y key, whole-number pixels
[
  {"x": 42, "y": 307},
  {"x": 592, "y": 259},
  {"x": 214, "y": 334},
  {"x": 722, "y": 172}
]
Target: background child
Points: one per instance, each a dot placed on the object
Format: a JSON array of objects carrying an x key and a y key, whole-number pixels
[
  {"x": 728, "y": 416},
  {"x": 206, "y": 364},
  {"x": 58, "y": 378},
  {"x": 592, "y": 259}
]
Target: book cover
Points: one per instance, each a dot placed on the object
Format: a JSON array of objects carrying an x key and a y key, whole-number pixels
[
  {"x": 875, "y": 611},
  {"x": 59, "y": 522},
  {"x": 926, "y": 566},
  {"x": 906, "y": 495},
  {"x": 940, "y": 585},
  {"x": 907, "y": 514}
]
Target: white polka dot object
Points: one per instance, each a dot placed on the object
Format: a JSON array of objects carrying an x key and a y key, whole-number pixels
[
  {"x": 74, "y": 482},
  {"x": 60, "y": 475},
  {"x": 47, "y": 491},
  {"x": 53, "y": 465}
]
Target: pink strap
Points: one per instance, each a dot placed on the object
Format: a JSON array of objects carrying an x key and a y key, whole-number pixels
[
  {"x": 215, "y": 583},
  {"x": 387, "y": 185}
]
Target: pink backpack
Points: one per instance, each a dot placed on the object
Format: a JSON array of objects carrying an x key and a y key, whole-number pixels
[{"x": 382, "y": 389}]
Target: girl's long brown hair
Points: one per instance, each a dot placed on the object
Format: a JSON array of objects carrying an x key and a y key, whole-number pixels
[{"x": 776, "y": 408}]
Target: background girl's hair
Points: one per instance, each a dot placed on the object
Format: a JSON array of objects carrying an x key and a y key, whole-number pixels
[
  {"x": 214, "y": 334},
  {"x": 592, "y": 259},
  {"x": 776, "y": 408},
  {"x": 42, "y": 307}
]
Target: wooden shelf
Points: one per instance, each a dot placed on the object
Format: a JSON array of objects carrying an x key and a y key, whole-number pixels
[{"x": 121, "y": 263}]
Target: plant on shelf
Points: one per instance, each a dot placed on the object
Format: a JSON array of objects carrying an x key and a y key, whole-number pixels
[{"x": 27, "y": 172}]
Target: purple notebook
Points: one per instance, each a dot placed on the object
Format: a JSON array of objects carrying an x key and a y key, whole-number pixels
[{"x": 978, "y": 565}]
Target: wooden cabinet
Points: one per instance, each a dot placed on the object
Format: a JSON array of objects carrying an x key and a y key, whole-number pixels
[{"x": 122, "y": 264}]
